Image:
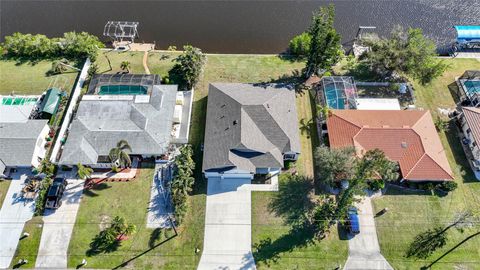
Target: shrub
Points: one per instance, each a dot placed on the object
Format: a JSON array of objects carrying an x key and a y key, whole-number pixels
[
  {"x": 448, "y": 186},
  {"x": 376, "y": 185},
  {"x": 172, "y": 48},
  {"x": 441, "y": 124},
  {"x": 42, "y": 195},
  {"x": 92, "y": 70},
  {"x": 300, "y": 45}
]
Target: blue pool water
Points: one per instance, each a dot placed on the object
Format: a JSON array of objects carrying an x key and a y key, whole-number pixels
[
  {"x": 472, "y": 87},
  {"x": 123, "y": 90}
]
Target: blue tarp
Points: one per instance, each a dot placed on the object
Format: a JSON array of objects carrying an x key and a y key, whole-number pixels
[{"x": 468, "y": 33}]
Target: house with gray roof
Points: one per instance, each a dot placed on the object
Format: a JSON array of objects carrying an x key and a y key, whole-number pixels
[
  {"x": 145, "y": 121},
  {"x": 249, "y": 130},
  {"x": 22, "y": 144}
]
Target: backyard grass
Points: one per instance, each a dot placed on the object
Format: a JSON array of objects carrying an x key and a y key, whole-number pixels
[
  {"x": 30, "y": 78},
  {"x": 4, "y": 184},
  {"x": 410, "y": 213},
  {"x": 130, "y": 200},
  {"x": 28, "y": 247}
]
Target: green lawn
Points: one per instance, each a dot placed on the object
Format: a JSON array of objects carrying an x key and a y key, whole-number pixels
[
  {"x": 28, "y": 247},
  {"x": 4, "y": 184},
  {"x": 107, "y": 200},
  {"x": 31, "y": 78},
  {"x": 410, "y": 214}
]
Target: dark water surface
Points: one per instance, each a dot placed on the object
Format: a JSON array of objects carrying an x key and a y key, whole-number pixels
[{"x": 234, "y": 26}]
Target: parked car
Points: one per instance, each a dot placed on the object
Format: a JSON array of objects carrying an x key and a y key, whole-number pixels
[
  {"x": 353, "y": 222},
  {"x": 55, "y": 193}
]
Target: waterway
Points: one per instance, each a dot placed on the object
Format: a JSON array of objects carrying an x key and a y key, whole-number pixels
[{"x": 235, "y": 26}]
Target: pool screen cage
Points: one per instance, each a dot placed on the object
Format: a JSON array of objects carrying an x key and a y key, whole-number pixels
[
  {"x": 119, "y": 31},
  {"x": 134, "y": 80},
  {"x": 337, "y": 92},
  {"x": 469, "y": 95}
]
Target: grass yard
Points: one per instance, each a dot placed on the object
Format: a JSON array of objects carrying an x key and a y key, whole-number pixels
[
  {"x": 4, "y": 184},
  {"x": 29, "y": 78},
  {"x": 410, "y": 214},
  {"x": 130, "y": 200},
  {"x": 28, "y": 247}
]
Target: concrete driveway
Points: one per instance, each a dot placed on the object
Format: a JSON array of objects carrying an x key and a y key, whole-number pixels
[
  {"x": 13, "y": 215},
  {"x": 228, "y": 235},
  {"x": 58, "y": 227},
  {"x": 363, "y": 248}
]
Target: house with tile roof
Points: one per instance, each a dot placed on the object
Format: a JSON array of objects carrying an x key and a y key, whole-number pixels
[
  {"x": 470, "y": 125},
  {"x": 249, "y": 130},
  {"x": 145, "y": 121},
  {"x": 407, "y": 137}
]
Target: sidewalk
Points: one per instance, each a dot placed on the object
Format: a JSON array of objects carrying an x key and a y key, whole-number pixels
[
  {"x": 13, "y": 215},
  {"x": 58, "y": 227}
]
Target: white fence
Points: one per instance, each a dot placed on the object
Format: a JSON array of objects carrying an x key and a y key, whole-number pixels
[{"x": 69, "y": 113}]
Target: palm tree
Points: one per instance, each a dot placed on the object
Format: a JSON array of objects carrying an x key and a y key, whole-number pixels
[
  {"x": 182, "y": 183},
  {"x": 122, "y": 228},
  {"x": 125, "y": 65},
  {"x": 84, "y": 172},
  {"x": 118, "y": 155}
]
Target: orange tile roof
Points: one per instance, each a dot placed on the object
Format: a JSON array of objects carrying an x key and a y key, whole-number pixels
[{"x": 408, "y": 137}]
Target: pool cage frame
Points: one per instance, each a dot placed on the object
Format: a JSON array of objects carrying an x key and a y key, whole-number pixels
[
  {"x": 467, "y": 98},
  {"x": 344, "y": 88},
  {"x": 148, "y": 80},
  {"x": 120, "y": 30}
]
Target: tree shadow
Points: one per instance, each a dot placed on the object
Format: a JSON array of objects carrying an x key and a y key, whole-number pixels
[
  {"x": 292, "y": 201},
  {"x": 425, "y": 243},
  {"x": 96, "y": 187},
  {"x": 154, "y": 237},
  {"x": 268, "y": 251},
  {"x": 293, "y": 81},
  {"x": 102, "y": 243}
]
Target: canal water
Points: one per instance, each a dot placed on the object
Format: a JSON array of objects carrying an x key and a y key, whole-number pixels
[{"x": 235, "y": 26}]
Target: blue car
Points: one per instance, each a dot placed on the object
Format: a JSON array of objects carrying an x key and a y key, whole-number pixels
[{"x": 353, "y": 222}]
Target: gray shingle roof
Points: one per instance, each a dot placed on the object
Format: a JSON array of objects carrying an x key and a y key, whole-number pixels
[
  {"x": 17, "y": 141},
  {"x": 249, "y": 126},
  {"x": 99, "y": 124}
]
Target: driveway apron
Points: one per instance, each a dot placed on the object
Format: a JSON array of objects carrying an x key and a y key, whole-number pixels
[
  {"x": 227, "y": 242},
  {"x": 363, "y": 249},
  {"x": 13, "y": 215},
  {"x": 58, "y": 227}
]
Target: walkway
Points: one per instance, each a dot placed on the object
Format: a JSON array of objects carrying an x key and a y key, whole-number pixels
[
  {"x": 124, "y": 174},
  {"x": 144, "y": 62},
  {"x": 157, "y": 216},
  {"x": 58, "y": 227},
  {"x": 227, "y": 242},
  {"x": 363, "y": 249},
  {"x": 13, "y": 215}
]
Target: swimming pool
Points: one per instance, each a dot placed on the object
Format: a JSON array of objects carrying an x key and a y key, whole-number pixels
[
  {"x": 472, "y": 87},
  {"x": 18, "y": 100},
  {"x": 123, "y": 90}
]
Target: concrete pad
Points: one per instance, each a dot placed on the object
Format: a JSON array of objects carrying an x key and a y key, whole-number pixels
[
  {"x": 363, "y": 248},
  {"x": 13, "y": 215},
  {"x": 58, "y": 227},
  {"x": 227, "y": 242}
]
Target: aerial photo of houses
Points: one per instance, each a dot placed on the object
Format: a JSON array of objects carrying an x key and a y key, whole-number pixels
[{"x": 182, "y": 135}]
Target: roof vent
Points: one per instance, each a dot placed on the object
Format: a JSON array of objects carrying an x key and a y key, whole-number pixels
[
  {"x": 235, "y": 122},
  {"x": 223, "y": 105},
  {"x": 268, "y": 106},
  {"x": 404, "y": 145}
]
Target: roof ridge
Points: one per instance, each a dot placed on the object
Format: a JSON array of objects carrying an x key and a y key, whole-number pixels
[
  {"x": 425, "y": 113},
  {"x": 346, "y": 120},
  {"x": 434, "y": 161}
]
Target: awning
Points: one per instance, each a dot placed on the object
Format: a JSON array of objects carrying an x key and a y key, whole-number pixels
[
  {"x": 468, "y": 33},
  {"x": 51, "y": 101}
]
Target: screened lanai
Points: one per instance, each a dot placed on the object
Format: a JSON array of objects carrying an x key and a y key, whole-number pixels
[{"x": 337, "y": 92}]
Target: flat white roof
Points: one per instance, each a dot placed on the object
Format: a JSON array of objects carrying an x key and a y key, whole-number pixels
[{"x": 378, "y": 104}]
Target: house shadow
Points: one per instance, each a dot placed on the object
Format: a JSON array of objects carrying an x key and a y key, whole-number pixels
[
  {"x": 197, "y": 133},
  {"x": 459, "y": 156}
]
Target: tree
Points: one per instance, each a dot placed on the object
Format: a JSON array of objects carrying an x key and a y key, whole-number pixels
[
  {"x": 84, "y": 172},
  {"x": 182, "y": 182},
  {"x": 46, "y": 167},
  {"x": 334, "y": 164},
  {"x": 118, "y": 155},
  {"x": 188, "y": 67},
  {"x": 325, "y": 48},
  {"x": 404, "y": 52},
  {"x": 59, "y": 66},
  {"x": 80, "y": 45},
  {"x": 323, "y": 216},
  {"x": 122, "y": 228},
  {"x": 300, "y": 44},
  {"x": 125, "y": 65}
]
